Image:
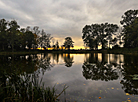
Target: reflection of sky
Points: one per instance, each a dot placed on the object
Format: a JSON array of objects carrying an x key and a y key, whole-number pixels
[{"x": 80, "y": 89}]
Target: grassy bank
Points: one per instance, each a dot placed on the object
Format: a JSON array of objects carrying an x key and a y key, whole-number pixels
[
  {"x": 123, "y": 51},
  {"x": 19, "y": 52},
  {"x": 115, "y": 51}
]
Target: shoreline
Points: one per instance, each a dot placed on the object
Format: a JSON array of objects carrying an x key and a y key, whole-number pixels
[{"x": 113, "y": 51}]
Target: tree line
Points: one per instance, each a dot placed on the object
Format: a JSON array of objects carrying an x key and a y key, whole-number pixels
[
  {"x": 107, "y": 35},
  {"x": 14, "y": 38}
]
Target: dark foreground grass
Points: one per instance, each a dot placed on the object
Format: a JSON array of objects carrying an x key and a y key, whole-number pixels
[{"x": 26, "y": 88}]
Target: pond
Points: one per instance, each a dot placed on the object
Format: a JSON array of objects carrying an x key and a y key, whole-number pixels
[{"x": 91, "y": 77}]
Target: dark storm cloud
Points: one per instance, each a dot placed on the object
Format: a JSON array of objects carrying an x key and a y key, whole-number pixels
[{"x": 64, "y": 18}]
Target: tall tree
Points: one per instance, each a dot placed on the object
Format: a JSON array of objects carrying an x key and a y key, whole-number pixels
[
  {"x": 36, "y": 33},
  {"x": 131, "y": 37},
  {"x": 111, "y": 30},
  {"x": 45, "y": 39},
  {"x": 98, "y": 34},
  {"x": 68, "y": 43},
  {"x": 129, "y": 17},
  {"x": 29, "y": 36},
  {"x": 129, "y": 22},
  {"x": 23, "y": 38},
  {"x": 3, "y": 34},
  {"x": 13, "y": 30},
  {"x": 89, "y": 36},
  {"x": 57, "y": 45},
  {"x": 41, "y": 39},
  {"x": 120, "y": 36}
]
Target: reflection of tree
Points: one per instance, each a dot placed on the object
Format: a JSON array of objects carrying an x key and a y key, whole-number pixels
[
  {"x": 44, "y": 63},
  {"x": 68, "y": 60},
  {"x": 55, "y": 57},
  {"x": 24, "y": 63},
  {"x": 18, "y": 63},
  {"x": 130, "y": 68},
  {"x": 19, "y": 79},
  {"x": 13, "y": 66},
  {"x": 99, "y": 70}
]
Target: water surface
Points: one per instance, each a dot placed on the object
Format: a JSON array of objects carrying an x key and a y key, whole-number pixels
[{"x": 94, "y": 77}]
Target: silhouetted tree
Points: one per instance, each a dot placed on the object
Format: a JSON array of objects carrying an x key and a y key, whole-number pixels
[
  {"x": 129, "y": 22},
  {"x": 57, "y": 45},
  {"x": 98, "y": 34},
  {"x": 110, "y": 30},
  {"x": 45, "y": 39},
  {"x": 13, "y": 30},
  {"x": 29, "y": 36},
  {"x": 3, "y": 34},
  {"x": 68, "y": 43},
  {"x": 89, "y": 36},
  {"x": 36, "y": 33}
]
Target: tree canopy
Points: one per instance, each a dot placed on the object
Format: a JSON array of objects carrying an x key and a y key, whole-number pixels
[
  {"x": 98, "y": 34},
  {"x": 68, "y": 43},
  {"x": 14, "y": 38},
  {"x": 130, "y": 28}
]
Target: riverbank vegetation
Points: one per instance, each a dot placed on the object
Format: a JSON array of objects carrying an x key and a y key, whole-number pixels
[{"x": 26, "y": 88}]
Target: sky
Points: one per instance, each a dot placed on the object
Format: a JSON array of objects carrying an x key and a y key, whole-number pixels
[{"x": 65, "y": 18}]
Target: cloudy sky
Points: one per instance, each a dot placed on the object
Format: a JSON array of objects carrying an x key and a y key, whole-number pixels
[{"x": 63, "y": 18}]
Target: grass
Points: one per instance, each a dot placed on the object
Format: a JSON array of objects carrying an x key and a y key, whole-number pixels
[
  {"x": 124, "y": 51},
  {"x": 119, "y": 50},
  {"x": 26, "y": 88},
  {"x": 18, "y": 52}
]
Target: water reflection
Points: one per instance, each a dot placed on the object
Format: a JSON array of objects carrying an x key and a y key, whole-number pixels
[
  {"x": 44, "y": 62},
  {"x": 97, "y": 67},
  {"x": 108, "y": 67},
  {"x": 130, "y": 69},
  {"x": 68, "y": 60}
]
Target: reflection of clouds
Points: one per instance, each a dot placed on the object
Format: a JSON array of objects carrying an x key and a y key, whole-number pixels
[
  {"x": 61, "y": 74},
  {"x": 79, "y": 88}
]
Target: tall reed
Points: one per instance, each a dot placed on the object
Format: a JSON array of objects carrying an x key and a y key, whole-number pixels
[{"x": 26, "y": 88}]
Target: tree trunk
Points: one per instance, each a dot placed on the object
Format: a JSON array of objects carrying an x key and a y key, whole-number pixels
[
  {"x": 12, "y": 43},
  {"x": 103, "y": 46},
  {"x": 109, "y": 44}
]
